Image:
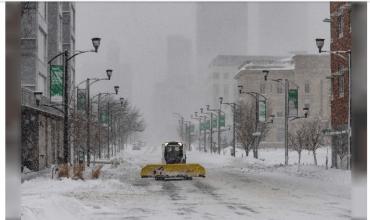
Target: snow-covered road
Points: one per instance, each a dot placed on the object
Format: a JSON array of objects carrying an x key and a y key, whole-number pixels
[{"x": 234, "y": 188}]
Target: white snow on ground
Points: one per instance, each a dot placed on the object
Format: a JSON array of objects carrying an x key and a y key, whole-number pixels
[{"x": 234, "y": 188}]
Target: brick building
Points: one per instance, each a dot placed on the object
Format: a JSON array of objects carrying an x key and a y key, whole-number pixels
[{"x": 340, "y": 13}]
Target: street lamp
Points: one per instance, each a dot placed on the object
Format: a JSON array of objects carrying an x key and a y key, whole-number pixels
[
  {"x": 67, "y": 58},
  {"x": 116, "y": 89},
  {"x": 122, "y": 100},
  {"x": 265, "y": 72},
  {"x": 320, "y": 44},
  {"x": 233, "y": 105},
  {"x": 256, "y": 95},
  {"x": 109, "y": 73},
  {"x": 286, "y": 110},
  {"x": 96, "y": 43},
  {"x": 38, "y": 97},
  {"x": 218, "y": 126}
]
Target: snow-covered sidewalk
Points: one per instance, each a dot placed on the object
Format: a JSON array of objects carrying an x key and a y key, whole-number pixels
[{"x": 234, "y": 188}]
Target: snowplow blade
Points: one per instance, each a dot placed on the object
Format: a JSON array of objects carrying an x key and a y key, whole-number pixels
[{"x": 162, "y": 171}]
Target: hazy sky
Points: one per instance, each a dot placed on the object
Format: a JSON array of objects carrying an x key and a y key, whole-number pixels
[{"x": 134, "y": 40}]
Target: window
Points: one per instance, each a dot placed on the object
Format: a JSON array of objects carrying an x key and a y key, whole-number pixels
[
  {"x": 216, "y": 75},
  {"x": 350, "y": 20},
  {"x": 41, "y": 84},
  {"x": 279, "y": 88},
  {"x": 41, "y": 47},
  {"x": 341, "y": 81},
  {"x": 216, "y": 90},
  {"x": 42, "y": 9},
  {"x": 263, "y": 88},
  {"x": 307, "y": 105},
  {"x": 340, "y": 25},
  {"x": 307, "y": 87}
]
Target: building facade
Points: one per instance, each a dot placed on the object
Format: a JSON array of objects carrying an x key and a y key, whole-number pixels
[
  {"x": 44, "y": 34},
  {"x": 307, "y": 73},
  {"x": 340, "y": 20}
]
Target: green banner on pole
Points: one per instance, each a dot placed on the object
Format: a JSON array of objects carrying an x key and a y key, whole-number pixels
[
  {"x": 208, "y": 124},
  {"x": 214, "y": 122},
  {"x": 262, "y": 111},
  {"x": 56, "y": 83},
  {"x": 81, "y": 99},
  {"x": 293, "y": 102},
  {"x": 103, "y": 117},
  {"x": 221, "y": 120}
]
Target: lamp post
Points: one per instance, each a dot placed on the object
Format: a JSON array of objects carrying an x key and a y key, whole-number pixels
[
  {"x": 88, "y": 84},
  {"x": 109, "y": 106},
  {"x": 188, "y": 132},
  {"x": 218, "y": 127},
  {"x": 204, "y": 130},
  {"x": 211, "y": 129},
  {"x": 67, "y": 58},
  {"x": 233, "y": 106},
  {"x": 99, "y": 95},
  {"x": 347, "y": 58},
  {"x": 255, "y": 95},
  {"x": 200, "y": 122},
  {"x": 286, "y": 110}
]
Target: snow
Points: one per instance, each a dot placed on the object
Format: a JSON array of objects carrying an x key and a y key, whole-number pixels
[{"x": 234, "y": 188}]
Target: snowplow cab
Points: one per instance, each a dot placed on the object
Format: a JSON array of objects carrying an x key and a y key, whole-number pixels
[
  {"x": 174, "y": 152},
  {"x": 173, "y": 165}
]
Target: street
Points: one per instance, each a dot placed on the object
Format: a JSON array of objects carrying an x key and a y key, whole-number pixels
[{"x": 234, "y": 188}]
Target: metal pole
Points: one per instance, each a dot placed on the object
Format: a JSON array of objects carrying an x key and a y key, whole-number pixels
[
  {"x": 205, "y": 136},
  {"x": 286, "y": 115},
  {"x": 219, "y": 131},
  {"x": 189, "y": 128},
  {"x": 66, "y": 103},
  {"x": 349, "y": 134},
  {"x": 200, "y": 133},
  {"x": 211, "y": 133},
  {"x": 108, "y": 129},
  {"x": 255, "y": 153},
  {"x": 88, "y": 121},
  {"x": 234, "y": 130},
  {"x": 99, "y": 126}
]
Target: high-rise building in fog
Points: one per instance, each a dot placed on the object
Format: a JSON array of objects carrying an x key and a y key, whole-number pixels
[
  {"x": 179, "y": 55},
  {"x": 221, "y": 28}
]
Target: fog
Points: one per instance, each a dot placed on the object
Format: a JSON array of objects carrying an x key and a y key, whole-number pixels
[{"x": 159, "y": 52}]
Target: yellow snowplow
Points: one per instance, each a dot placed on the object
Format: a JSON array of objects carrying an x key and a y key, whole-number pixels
[{"x": 173, "y": 165}]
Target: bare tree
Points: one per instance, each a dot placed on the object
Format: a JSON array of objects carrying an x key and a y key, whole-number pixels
[
  {"x": 341, "y": 144},
  {"x": 313, "y": 135},
  {"x": 297, "y": 139},
  {"x": 246, "y": 127}
]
